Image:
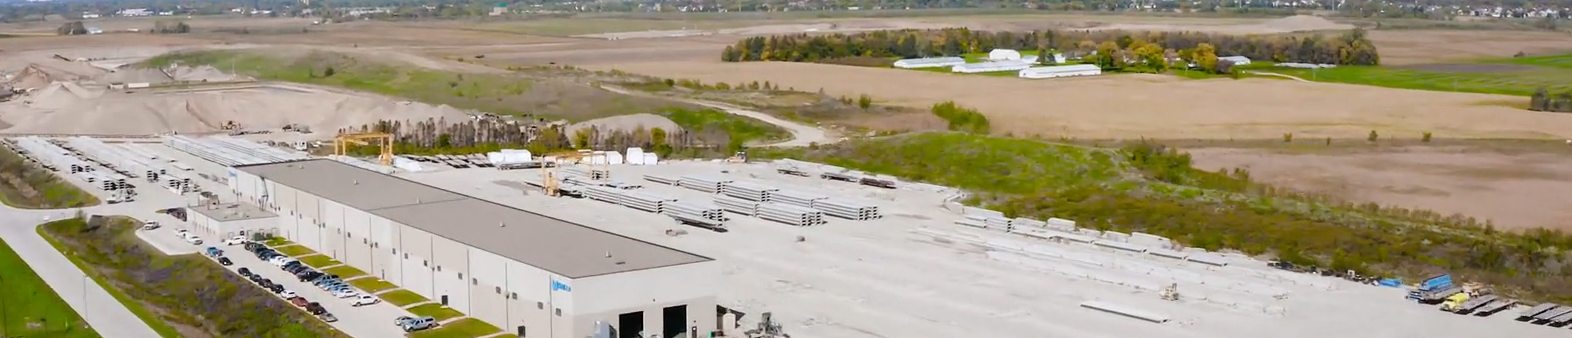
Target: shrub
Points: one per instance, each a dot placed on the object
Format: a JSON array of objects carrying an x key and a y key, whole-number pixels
[
  {"x": 961, "y": 118},
  {"x": 1288, "y": 137},
  {"x": 864, "y": 101},
  {"x": 1425, "y": 138},
  {"x": 1373, "y": 136}
]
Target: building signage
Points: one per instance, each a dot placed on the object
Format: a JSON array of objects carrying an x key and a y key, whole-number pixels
[{"x": 560, "y": 286}]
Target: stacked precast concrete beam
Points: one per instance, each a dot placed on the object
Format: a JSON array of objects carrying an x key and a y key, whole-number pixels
[
  {"x": 594, "y": 174},
  {"x": 645, "y": 201},
  {"x": 661, "y": 179},
  {"x": 703, "y": 183},
  {"x": 747, "y": 191},
  {"x": 847, "y": 209},
  {"x": 793, "y": 215},
  {"x": 737, "y": 205},
  {"x": 707, "y": 211}
]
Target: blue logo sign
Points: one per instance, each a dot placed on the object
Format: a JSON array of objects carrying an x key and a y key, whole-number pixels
[{"x": 556, "y": 286}]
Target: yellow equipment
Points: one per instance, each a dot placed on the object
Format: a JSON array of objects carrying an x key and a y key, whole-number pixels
[
  {"x": 1476, "y": 289},
  {"x": 739, "y": 157},
  {"x": 1453, "y": 301},
  {"x": 384, "y": 141},
  {"x": 548, "y": 171}
]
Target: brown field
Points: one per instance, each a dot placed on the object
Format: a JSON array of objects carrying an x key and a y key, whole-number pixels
[
  {"x": 1515, "y": 191},
  {"x": 1404, "y": 47}
]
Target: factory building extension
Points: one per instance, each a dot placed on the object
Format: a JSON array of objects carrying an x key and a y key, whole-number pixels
[{"x": 532, "y": 275}]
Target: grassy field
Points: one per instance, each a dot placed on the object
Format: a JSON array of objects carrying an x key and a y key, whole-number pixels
[
  {"x": 506, "y": 93},
  {"x": 1148, "y": 188},
  {"x": 318, "y": 261},
  {"x": 1509, "y": 76},
  {"x": 437, "y": 311},
  {"x": 181, "y": 296},
  {"x": 740, "y": 129},
  {"x": 463, "y": 328},
  {"x": 402, "y": 297},
  {"x": 372, "y": 284},
  {"x": 25, "y": 186},
  {"x": 30, "y": 308},
  {"x": 293, "y": 250}
]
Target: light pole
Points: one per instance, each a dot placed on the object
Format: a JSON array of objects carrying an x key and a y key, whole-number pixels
[{"x": 85, "y": 309}]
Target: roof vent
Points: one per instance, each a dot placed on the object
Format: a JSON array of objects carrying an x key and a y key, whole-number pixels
[
  {"x": 502, "y": 224},
  {"x": 608, "y": 254},
  {"x": 356, "y": 182}
]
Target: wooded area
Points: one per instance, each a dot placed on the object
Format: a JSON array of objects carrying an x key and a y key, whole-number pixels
[
  {"x": 1352, "y": 48},
  {"x": 1544, "y": 101},
  {"x": 438, "y": 136}
]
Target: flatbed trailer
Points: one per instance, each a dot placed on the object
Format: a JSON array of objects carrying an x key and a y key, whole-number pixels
[
  {"x": 1495, "y": 306},
  {"x": 1529, "y": 314},
  {"x": 1472, "y": 304},
  {"x": 1435, "y": 297},
  {"x": 1562, "y": 320},
  {"x": 1547, "y": 316}
]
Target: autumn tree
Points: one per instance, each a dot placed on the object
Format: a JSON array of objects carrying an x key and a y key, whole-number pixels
[{"x": 1206, "y": 57}]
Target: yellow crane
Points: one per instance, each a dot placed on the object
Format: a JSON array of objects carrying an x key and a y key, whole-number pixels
[
  {"x": 548, "y": 171},
  {"x": 383, "y": 140}
]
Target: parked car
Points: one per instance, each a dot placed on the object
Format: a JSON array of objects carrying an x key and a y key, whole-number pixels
[
  {"x": 315, "y": 308},
  {"x": 276, "y": 288},
  {"x": 225, "y": 261},
  {"x": 299, "y": 301},
  {"x": 401, "y": 320},
  {"x": 418, "y": 324},
  {"x": 327, "y": 317},
  {"x": 365, "y": 299},
  {"x": 214, "y": 252},
  {"x": 181, "y": 233},
  {"x": 237, "y": 240},
  {"x": 288, "y": 294},
  {"x": 150, "y": 226},
  {"x": 194, "y": 240},
  {"x": 345, "y": 293},
  {"x": 244, "y": 272}
]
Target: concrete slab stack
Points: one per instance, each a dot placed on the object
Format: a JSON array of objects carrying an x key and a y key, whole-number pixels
[
  {"x": 1022, "y": 222},
  {"x": 794, "y": 197},
  {"x": 662, "y": 179},
  {"x": 736, "y": 205},
  {"x": 699, "y": 210},
  {"x": 747, "y": 191},
  {"x": 645, "y": 201},
  {"x": 847, "y": 209},
  {"x": 604, "y": 194},
  {"x": 792, "y": 215},
  {"x": 703, "y": 183},
  {"x": 1061, "y": 224}
]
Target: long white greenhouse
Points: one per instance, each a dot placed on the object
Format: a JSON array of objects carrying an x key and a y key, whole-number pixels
[
  {"x": 1060, "y": 71},
  {"x": 994, "y": 66},
  {"x": 929, "y": 62}
]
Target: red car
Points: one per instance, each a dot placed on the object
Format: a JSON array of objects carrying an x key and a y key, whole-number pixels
[{"x": 299, "y": 301}]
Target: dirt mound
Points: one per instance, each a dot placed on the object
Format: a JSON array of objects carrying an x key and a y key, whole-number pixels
[
  {"x": 202, "y": 74},
  {"x": 62, "y": 94},
  {"x": 67, "y": 112},
  {"x": 31, "y": 77},
  {"x": 626, "y": 122},
  {"x": 1301, "y": 23}
]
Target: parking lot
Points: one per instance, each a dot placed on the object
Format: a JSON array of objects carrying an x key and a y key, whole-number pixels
[{"x": 374, "y": 320}]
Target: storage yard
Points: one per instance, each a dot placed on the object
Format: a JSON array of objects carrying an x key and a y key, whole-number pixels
[{"x": 828, "y": 252}]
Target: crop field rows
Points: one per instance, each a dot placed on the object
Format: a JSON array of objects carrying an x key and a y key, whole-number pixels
[
  {"x": 892, "y": 277},
  {"x": 1523, "y": 81}
]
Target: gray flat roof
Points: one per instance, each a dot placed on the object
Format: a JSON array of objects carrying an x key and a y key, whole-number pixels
[
  {"x": 227, "y": 212},
  {"x": 565, "y": 248}
]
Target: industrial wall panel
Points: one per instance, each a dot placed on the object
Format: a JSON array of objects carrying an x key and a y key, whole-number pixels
[
  {"x": 380, "y": 251},
  {"x": 269, "y": 192},
  {"x": 395, "y": 254},
  {"x": 286, "y": 228},
  {"x": 357, "y": 224},
  {"x": 451, "y": 278},
  {"x": 610, "y": 292},
  {"x": 310, "y": 235},
  {"x": 522, "y": 312},
  {"x": 381, "y": 231},
  {"x": 487, "y": 303},
  {"x": 417, "y": 278},
  {"x": 487, "y": 268},
  {"x": 332, "y": 214},
  {"x": 358, "y": 253},
  {"x": 533, "y": 286},
  {"x": 310, "y": 205},
  {"x": 355, "y": 246},
  {"x": 415, "y": 241}
]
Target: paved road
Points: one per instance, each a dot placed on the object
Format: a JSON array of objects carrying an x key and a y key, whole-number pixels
[
  {"x": 801, "y": 134},
  {"x": 106, "y": 315}
]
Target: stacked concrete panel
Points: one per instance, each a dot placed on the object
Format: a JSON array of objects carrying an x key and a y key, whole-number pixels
[
  {"x": 792, "y": 215},
  {"x": 747, "y": 191},
  {"x": 667, "y": 180},
  {"x": 703, "y": 183},
  {"x": 847, "y": 209},
  {"x": 736, "y": 205}
]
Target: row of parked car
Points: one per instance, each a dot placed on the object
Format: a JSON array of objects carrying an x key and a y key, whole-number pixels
[{"x": 327, "y": 282}]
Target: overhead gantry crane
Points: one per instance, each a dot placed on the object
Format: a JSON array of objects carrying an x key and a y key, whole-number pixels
[{"x": 383, "y": 140}]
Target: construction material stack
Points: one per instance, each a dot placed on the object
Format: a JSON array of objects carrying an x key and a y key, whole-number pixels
[
  {"x": 700, "y": 215},
  {"x": 703, "y": 183},
  {"x": 737, "y": 205},
  {"x": 747, "y": 191},
  {"x": 794, "y": 198},
  {"x": 661, "y": 179},
  {"x": 793, "y": 215},
  {"x": 604, "y": 194},
  {"x": 645, "y": 201},
  {"x": 848, "y": 209},
  {"x": 593, "y": 174},
  {"x": 1434, "y": 289}
]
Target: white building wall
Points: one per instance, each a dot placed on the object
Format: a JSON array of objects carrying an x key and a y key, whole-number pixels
[
  {"x": 535, "y": 305},
  {"x": 395, "y": 253},
  {"x": 416, "y": 254},
  {"x": 380, "y": 251},
  {"x": 450, "y": 277},
  {"x": 331, "y": 218},
  {"x": 603, "y": 298},
  {"x": 355, "y": 243}
]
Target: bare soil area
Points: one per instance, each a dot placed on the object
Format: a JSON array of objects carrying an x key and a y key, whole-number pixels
[
  {"x": 1468, "y": 68},
  {"x": 1515, "y": 191},
  {"x": 1403, "y": 47},
  {"x": 1153, "y": 106}
]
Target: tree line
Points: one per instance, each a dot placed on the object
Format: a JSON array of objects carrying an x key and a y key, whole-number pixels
[
  {"x": 1544, "y": 101},
  {"x": 1351, "y": 48},
  {"x": 440, "y": 137}
]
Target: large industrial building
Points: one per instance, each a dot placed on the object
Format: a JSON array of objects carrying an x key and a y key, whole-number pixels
[{"x": 530, "y": 274}]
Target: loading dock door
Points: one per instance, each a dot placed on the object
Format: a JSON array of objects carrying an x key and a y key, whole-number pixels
[
  {"x": 674, "y": 320},
  {"x": 630, "y": 325}
]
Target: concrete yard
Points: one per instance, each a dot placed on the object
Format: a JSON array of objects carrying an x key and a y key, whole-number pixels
[{"x": 881, "y": 279}]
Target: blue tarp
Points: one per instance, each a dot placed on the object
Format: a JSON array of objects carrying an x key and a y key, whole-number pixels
[{"x": 1392, "y": 282}]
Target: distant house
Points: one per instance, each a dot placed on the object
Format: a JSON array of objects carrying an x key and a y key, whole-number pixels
[
  {"x": 1060, "y": 71},
  {"x": 1004, "y": 55},
  {"x": 929, "y": 62},
  {"x": 1237, "y": 60}
]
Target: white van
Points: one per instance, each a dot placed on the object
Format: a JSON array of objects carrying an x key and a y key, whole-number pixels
[{"x": 193, "y": 239}]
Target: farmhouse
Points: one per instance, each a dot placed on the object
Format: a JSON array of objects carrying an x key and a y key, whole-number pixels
[
  {"x": 991, "y": 66},
  {"x": 1004, "y": 55},
  {"x": 1237, "y": 60},
  {"x": 929, "y": 62},
  {"x": 1060, "y": 71},
  {"x": 533, "y": 275}
]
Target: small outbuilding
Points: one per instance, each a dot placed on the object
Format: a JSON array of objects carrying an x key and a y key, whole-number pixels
[
  {"x": 222, "y": 221},
  {"x": 929, "y": 62},
  {"x": 1004, "y": 55},
  {"x": 1060, "y": 71},
  {"x": 1237, "y": 60}
]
